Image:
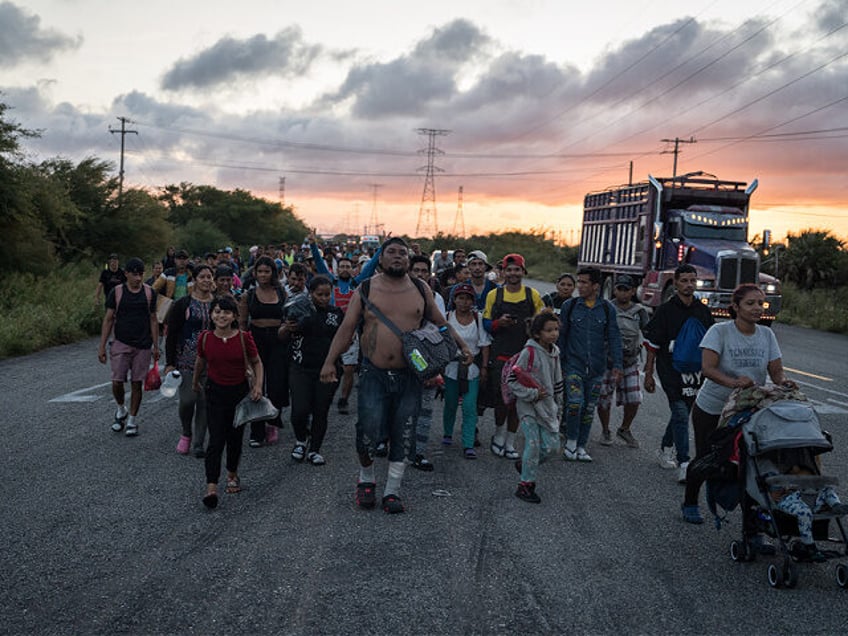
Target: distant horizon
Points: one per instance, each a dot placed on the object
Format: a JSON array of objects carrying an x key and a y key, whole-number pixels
[{"x": 533, "y": 104}]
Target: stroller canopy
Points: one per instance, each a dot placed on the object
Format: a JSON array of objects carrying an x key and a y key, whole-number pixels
[{"x": 784, "y": 424}]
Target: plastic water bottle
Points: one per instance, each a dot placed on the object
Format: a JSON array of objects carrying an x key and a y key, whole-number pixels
[
  {"x": 171, "y": 383},
  {"x": 418, "y": 360}
]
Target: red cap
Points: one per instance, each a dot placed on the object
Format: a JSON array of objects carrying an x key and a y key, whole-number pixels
[{"x": 514, "y": 259}]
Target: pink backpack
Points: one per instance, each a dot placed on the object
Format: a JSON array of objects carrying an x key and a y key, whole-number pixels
[{"x": 524, "y": 376}]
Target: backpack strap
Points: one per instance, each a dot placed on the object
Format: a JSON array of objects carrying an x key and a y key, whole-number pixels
[
  {"x": 119, "y": 293},
  {"x": 499, "y": 296}
]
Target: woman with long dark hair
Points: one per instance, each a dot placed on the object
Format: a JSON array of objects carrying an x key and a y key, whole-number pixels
[
  {"x": 737, "y": 353},
  {"x": 187, "y": 319},
  {"x": 261, "y": 312},
  {"x": 311, "y": 398},
  {"x": 224, "y": 355}
]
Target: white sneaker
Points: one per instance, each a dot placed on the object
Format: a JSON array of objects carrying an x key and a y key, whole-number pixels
[
  {"x": 665, "y": 456},
  {"x": 681, "y": 473},
  {"x": 582, "y": 455}
]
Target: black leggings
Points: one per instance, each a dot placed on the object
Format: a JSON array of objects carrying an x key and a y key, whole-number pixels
[
  {"x": 704, "y": 424},
  {"x": 310, "y": 397},
  {"x": 274, "y": 355},
  {"x": 221, "y": 401}
]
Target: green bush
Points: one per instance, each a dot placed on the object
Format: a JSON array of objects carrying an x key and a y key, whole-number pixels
[
  {"x": 49, "y": 310},
  {"x": 822, "y": 309}
]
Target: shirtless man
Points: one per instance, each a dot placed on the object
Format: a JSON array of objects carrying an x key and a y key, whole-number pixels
[{"x": 389, "y": 392}]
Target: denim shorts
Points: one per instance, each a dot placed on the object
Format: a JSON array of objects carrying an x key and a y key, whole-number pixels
[{"x": 388, "y": 403}]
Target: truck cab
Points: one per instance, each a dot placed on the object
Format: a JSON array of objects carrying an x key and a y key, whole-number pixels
[{"x": 648, "y": 229}]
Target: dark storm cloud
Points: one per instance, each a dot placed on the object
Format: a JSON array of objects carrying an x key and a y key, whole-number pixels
[
  {"x": 500, "y": 105},
  {"x": 285, "y": 55},
  {"x": 22, "y": 38},
  {"x": 411, "y": 84}
]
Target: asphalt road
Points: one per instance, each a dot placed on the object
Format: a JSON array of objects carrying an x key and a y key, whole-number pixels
[{"x": 107, "y": 534}]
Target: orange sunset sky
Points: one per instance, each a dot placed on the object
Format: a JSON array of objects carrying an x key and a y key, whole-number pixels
[{"x": 544, "y": 102}]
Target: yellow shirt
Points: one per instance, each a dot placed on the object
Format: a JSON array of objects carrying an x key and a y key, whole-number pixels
[{"x": 512, "y": 297}]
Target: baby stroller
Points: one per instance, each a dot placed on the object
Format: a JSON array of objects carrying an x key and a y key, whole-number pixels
[{"x": 776, "y": 437}]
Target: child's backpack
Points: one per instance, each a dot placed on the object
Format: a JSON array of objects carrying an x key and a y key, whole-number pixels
[
  {"x": 686, "y": 356},
  {"x": 524, "y": 376}
]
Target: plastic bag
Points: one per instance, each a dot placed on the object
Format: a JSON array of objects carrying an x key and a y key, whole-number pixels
[
  {"x": 248, "y": 411},
  {"x": 152, "y": 380}
]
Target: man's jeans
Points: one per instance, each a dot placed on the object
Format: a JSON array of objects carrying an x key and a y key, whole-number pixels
[
  {"x": 677, "y": 431},
  {"x": 388, "y": 403},
  {"x": 581, "y": 398}
]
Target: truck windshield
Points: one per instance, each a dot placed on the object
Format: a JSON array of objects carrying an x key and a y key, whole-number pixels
[{"x": 694, "y": 229}]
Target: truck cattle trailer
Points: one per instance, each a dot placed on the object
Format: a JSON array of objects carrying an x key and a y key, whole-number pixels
[{"x": 648, "y": 229}]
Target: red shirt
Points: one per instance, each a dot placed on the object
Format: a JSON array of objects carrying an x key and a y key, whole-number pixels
[{"x": 225, "y": 360}]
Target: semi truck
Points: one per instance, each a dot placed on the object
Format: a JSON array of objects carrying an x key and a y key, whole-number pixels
[{"x": 648, "y": 229}]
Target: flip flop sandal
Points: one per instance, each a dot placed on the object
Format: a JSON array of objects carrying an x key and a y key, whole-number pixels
[
  {"x": 233, "y": 486},
  {"x": 497, "y": 449},
  {"x": 365, "y": 497}
]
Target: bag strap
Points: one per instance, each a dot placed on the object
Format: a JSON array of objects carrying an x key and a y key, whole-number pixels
[
  {"x": 244, "y": 352},
  {"x": 376, "y": 311}
]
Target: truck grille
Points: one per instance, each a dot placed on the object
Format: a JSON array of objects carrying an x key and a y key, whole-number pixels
[{"x": 734, "y": 271}]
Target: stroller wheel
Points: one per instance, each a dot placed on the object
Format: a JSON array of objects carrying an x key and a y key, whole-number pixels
[
  {"x": 739, "y": 551},
  {"x": 775, "y": 577},
  {"x": 842, "y": 576}
]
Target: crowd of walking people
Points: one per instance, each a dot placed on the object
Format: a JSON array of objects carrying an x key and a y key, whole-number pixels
[{"x": 299, "y": 324}]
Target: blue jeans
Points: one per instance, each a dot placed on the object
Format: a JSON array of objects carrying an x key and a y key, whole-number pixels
[
  {"x": 469, "y": 410},
  {"x": 388, "y": 403},
  {"x": 581, "y": 398},
  {"x": 677, "y": 430},
  {"x": 540, "y": 445},
  {"x": 422, "y": 422}
]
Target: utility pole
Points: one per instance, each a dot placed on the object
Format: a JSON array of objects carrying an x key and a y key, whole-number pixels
[
  {"x": 374, "y": 223},
  {"x": 676, "y": 141},
  {"x": 459, "y": 220},
  {"x": 427, "y": 212},
  {"x": 124, "y": 132},
  {"x": 283, "y": 191}
]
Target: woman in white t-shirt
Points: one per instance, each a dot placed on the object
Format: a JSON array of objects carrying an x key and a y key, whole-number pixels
[
  {"x": 463, "y": 380},
  {"x": 735, "y": 354}
]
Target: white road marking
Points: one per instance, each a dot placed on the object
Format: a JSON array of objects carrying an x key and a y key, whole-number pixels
[
  {"x": 821, "y": 388},
  {"x": 827, "y": 409},
  {"x": 80, "y": 395}
]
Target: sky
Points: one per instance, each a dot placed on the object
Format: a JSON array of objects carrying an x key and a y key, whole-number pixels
[{"x": 325, "y": 104}]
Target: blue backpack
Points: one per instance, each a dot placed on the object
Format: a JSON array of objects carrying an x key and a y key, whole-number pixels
[{"x": 686, "y": 356}]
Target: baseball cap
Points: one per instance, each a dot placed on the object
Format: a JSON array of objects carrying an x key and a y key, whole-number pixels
[
  {"x": 478, "y": 255},
  {"x": 464, "y": 288},
  {"x": 624, "y": 281},
  {"x": 514, "y": 259},
  {"x": 134, "y": 266},
  {"x": 181, "y": 254},
  {"x": 113, "y": 256},
  {"x": 363, "y": 259}
]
